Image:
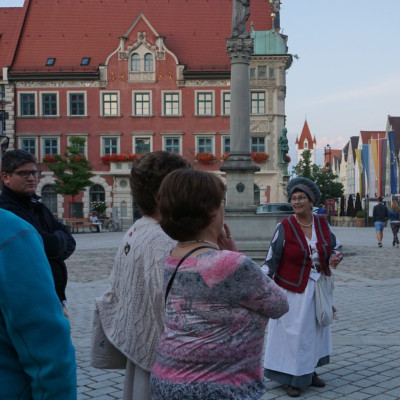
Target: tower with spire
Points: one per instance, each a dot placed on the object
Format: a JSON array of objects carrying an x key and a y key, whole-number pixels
[{"x": 305, "y": 142}]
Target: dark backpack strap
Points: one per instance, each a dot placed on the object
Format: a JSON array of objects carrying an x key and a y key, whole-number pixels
[{"x": 171, "y": 280}]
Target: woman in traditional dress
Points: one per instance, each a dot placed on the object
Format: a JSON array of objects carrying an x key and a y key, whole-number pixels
[
  {"x": 219, "y": 302},
  {"x": 302, "y": 245}
]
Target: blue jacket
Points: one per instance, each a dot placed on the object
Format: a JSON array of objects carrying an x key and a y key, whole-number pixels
[{"x": 37, "y": 359}]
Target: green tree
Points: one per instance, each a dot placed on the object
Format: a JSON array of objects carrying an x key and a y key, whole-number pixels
[
  {"x": 306, "y": 168},
  {"x": 326, "y": 180},
  {"x": 73, "y": 171}
]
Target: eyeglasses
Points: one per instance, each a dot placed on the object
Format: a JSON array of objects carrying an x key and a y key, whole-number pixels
[
  {"x": 4, "y": 141},
  {"x": 299, "y": 199},
  {"x": 25, "y": 173}
]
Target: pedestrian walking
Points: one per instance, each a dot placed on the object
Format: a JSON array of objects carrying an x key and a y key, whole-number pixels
[
  {"x": 380, "y": 215},
  {"x": 394, "y": 216}
]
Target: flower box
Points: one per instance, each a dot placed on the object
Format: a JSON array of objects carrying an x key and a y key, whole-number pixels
[
  {"x": 259, "y": 157},
  {"x": 205, "y": 158},
  {"x": 118, "y": 158},
  {"x": 49, "y": 159},
  {"x": 224, "y": 157}
]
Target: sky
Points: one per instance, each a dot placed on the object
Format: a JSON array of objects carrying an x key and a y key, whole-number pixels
[{"x": 347, "y": 77}]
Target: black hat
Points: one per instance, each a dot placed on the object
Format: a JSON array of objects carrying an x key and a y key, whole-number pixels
[{"x": 306, "y": 186}]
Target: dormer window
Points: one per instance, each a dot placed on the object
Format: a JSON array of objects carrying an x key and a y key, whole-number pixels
[
  {"x": 135, "y": 62},
  {"x": 142, "y": 66},
  {"x": 50, "y": 62},
  {"x": 85, "y": 61},
  {"x": 148, "y": 62}
]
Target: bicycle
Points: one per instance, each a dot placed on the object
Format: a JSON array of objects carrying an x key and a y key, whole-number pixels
[{"x": 106, "y": 224}]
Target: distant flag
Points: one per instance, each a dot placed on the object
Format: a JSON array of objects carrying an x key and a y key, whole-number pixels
[{"x": 393, "y": 164}]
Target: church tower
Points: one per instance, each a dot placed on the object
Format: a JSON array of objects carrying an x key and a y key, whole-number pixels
[{"x": 306, "y": 142}]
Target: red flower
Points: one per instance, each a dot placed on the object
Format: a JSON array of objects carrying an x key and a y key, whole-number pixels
[
  {"x": 259, "y": 157},
  {"x": 224, "y": 157},
  {"x": 49, "y": 159},
  {"x": 205, "y": 158},
  {"x": 118, "y": 158},
  {"x": 287, "y": 159}
]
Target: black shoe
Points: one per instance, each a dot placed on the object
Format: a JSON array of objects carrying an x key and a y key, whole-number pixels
[
  {"x": 379, "y": 244},
  {"x": 317, "y": 382},
  {"x": 293, "y": 391}
]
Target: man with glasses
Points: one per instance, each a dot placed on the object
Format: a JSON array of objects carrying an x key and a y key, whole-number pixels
[
  {"x": 37, "y": 359},
  {"x": 20, "y": 178}
]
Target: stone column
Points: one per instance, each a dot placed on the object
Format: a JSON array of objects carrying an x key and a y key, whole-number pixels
[{"x": 239, "y": 167}]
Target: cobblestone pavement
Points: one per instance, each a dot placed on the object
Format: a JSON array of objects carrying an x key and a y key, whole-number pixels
[{"x": 365, "y": 361}]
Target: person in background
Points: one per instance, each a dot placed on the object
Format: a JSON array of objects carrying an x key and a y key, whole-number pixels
[
  {"x": 20, "y": 178},
  {"x": 380, "y": 215},
  {"x": 95, "y": 221},
  {"x": 132, "y": 309},
  {"x": 321, "y": 210},
  {"x": 219, "y": 303},
  {"x": 37, "y": 359},
  {"x": 394, "y": 216},
  {"x": 302, "y": 246}
]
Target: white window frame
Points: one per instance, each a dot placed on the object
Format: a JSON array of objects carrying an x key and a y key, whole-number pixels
[
  {"x": 178, "y": 135},
  {"x": 167, "y": 92},
  {"x": 69, "y": 92},
  {"x": 223, "y": 102},
  {"x": 141, "y": 136},
  {"x": 20, "y": 104},
  {"x": 85, "y": 150},
  {"x": 223, "y": 137},
  {"x": 109, "y": 92},
  {"x": 134, "y": 100},
  {"x": 201, "y": 135},
  {"x": 102, "y": 148},
  {"x": 41, "y": 94},
  {"x": 22, "y": 138},
  {"x": 196, "y": 100},
  {"x": 42, "y": 146}
]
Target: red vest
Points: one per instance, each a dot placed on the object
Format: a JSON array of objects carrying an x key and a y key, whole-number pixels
[{"x": 295, "y": 266}]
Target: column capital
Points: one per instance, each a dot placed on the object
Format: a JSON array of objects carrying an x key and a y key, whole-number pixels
[{"x": 239, "y": 49}]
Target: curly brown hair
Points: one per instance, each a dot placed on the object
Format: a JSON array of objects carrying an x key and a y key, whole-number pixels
[
  {"x": 147, "y": 173},
  {"x": 187, "y": 202}
]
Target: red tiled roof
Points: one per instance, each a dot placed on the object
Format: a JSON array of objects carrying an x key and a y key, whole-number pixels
[
  {"x": 195, "y": 30},
  {"x": 10, "y": 24},
  {"x": 367, "y": 135}
]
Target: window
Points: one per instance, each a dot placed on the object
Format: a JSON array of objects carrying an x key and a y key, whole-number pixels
[
  {"x": 135, "y": 62},
  {"x": 50, "y": 61},
  {"x": 28, "y": 144},
  {"x": 257, "y": 144},
  {"x": 148, "y": 62},
  {"x": 172, "y": 144},
  {"x": 141, "y": 104},
  {"x": 258, "y": 102},
  {"x": 85, "y": 61},
  {"x": 306, "y": 144},
  {"x": 262, "y": 72},
  {"x": 272, "y": 73},
  {"x": 226, "y": 103},
  {"x": 172, "y": 104},
  {"x": 226, "y": 144},
  {"x": 110, "y": 145},
  {"x": 27, "y": 104},
  {"x": 142, "y": 145},
  {"x": 76, "y": 104},
  {"x": 204, "y": 103},
  {"x": 204, "y": 144},
  {"x": 252, "y": 73},
  {"x": 49, "y": 146},
  {"x": 81, "y": 148},
  {"x": 110, "y": 104},
  {"x": 256, "y": 195},
  {"x": 2, "y": 112},
  {"x": 96, "y": 193},
  {"x": 49, "y": 104},
  {"x": 49, "y": 198}
]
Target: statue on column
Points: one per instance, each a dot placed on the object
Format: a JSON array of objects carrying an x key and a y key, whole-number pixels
[
  {"x": 240, "y": 15},
  {"x": 283, "y": 145}
]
